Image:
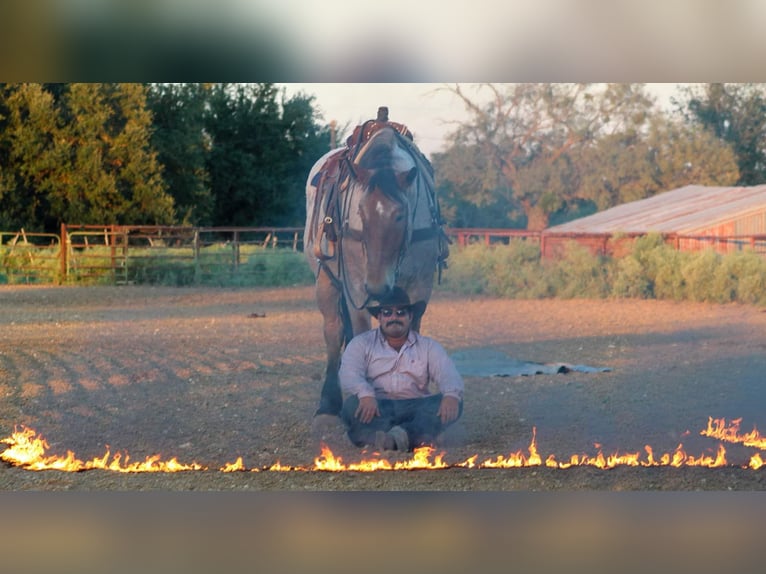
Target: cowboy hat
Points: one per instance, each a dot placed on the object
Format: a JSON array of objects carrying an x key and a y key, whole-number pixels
[{"x": 397, "y": 297}]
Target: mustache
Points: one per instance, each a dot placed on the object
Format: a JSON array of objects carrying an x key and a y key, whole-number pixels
[{"x": 394, "y": 322}]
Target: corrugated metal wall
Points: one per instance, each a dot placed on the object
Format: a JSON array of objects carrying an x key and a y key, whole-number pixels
[{"x": 694, "y": 217}]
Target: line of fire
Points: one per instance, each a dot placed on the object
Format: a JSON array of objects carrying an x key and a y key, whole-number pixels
[{"x": 28, "y": 450}]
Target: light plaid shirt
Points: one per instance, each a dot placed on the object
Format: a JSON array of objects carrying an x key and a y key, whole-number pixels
[{"x": 370, "y": 367}]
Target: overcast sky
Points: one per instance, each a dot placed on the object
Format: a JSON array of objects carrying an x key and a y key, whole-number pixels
[{"x": 428, "y": 110}]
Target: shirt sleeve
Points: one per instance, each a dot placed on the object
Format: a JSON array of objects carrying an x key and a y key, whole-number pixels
[
  {"x": 444, "y": 372},
  {"x": 353, "y": 369}
]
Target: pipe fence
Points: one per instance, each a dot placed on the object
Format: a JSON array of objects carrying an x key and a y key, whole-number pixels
[{"x": 119, "y": 254}]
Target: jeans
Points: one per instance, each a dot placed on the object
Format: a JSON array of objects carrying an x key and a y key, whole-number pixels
[{"x": 416, "y": 416}]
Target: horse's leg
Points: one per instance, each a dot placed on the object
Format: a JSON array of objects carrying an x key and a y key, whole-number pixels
[
  {"x": 416, "y": 318},
  {"x": 360, "y": 321},
  {"x": 329, "y": 300}
]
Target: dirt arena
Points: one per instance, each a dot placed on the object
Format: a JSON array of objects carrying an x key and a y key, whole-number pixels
[{"x": 210, "y": 375}]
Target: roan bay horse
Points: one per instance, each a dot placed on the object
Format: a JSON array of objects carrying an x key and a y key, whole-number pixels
[{"x": 372, "y": 222}]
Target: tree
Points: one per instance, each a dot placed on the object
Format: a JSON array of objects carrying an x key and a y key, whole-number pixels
[
  {"x": 627, "y": 167},
  {"x": 28, "y": 155},
  {"x": 551, "y": 151},
  {"x": 262, "y": 150},
  {"x": 183, "y": 147},
  {"x": 735, "y": 113},
  {"x": 524, "y": 141},
  {"x": 82, "y": 156}
]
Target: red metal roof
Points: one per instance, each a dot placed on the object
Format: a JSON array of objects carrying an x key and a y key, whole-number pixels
[{"x": 690, "y": 209}]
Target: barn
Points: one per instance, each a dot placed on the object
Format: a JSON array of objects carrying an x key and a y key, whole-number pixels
[{"x": 691, "y": 218}]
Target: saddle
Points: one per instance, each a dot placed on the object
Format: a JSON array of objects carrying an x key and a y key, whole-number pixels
[{"x": 330, "y": 181}]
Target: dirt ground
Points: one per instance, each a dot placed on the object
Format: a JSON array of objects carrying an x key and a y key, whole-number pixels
[{"x": 210, "y": 375}]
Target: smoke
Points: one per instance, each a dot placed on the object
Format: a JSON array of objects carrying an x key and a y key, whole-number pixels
[{"x": 399, "y": 40}]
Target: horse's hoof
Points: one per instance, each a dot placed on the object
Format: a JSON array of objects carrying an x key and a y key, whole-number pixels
[{"x": 327, "y": 427}]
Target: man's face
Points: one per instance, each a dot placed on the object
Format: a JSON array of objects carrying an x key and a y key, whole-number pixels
[{"x": 395, "y": 321}]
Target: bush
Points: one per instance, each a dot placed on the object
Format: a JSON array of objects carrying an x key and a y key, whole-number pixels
[
  {"x": 578, "y": 274},
  {"x": 698, "y": 272},
  {"x": 741, "y": 277},
  {"x": 470, "y": 270},
  {"x": 630, "y": 280},
  {"x": 511, "y": 270},
  {"x": 652, "y": 269}
]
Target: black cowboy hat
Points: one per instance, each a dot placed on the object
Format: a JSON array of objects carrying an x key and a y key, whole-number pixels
[{"x": 397, "y": 297}]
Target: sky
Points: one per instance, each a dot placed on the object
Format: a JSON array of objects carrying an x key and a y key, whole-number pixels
[{"x": 429, "y": 110}]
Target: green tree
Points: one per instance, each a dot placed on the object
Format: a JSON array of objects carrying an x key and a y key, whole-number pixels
[
  {"x": 183, "y": 146},
  {"x": 735, "y": 113},
  {"x": 262, "y": 149},
  {"x": 80, "y": 154},
  {"x": 29, "y": 155},
  {"x": 524, "y": 141},
  {"x": 556, "y": 152},
  {"x": 633, "y": 165}
]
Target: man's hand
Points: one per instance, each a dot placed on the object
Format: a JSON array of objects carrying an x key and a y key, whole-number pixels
[
  {"x": 367, "y": 409},
  {"x": 448, "y": 409}
]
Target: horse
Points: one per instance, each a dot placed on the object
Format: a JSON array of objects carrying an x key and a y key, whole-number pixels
[{"x": 372, "y": 223}]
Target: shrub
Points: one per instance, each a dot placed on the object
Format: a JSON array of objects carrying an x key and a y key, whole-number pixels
[
  {"x": 630, "y": 280},
  {"x": 579, "y": 273},
  {"x": 698, "y": 272},
  {"x": 652, "y": 269},
  {"x": 741, "y": 276},
  {"x": 470, "y": 270}
]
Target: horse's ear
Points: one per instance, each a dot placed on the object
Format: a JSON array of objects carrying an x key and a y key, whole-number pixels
[{"x": 405, "y": 178}]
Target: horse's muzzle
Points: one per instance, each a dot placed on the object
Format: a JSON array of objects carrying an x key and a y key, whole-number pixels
[{"x": 377, "y": 291}]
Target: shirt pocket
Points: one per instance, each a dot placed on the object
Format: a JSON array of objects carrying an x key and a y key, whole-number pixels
[{"x": 415, "y": 374}]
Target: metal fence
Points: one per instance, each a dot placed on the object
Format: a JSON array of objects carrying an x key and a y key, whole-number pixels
[
  {"x": 30, "y": 257},
  {"x": 115, "y": 254},
  {"x": 612, "y": 244},
  {"x": 194, "y": 254}
]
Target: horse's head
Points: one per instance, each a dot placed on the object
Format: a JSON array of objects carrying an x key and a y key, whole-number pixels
[
  {"x": 386, "y": 177},
  {"x": 384, "y": 212}
]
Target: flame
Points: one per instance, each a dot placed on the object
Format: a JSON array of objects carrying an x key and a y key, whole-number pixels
[
  {"x": 235, "y": 466},
  {"x": 716, "y": 428},
  {"x": 29, "y": 451}
]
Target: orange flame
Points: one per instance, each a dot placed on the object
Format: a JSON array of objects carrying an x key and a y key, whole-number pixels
[
  {"x": 235, "y": 466},
  {"x": 716, "y": 428},
  {"x": 28, "y": 450}
]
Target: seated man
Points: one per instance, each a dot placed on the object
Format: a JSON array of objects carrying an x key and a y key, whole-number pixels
[{"x": 386, "y": 374}]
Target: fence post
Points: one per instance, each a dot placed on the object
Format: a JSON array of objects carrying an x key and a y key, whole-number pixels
[
  {"x": 64, "y": 249},
  {"x": 236, "y": 251},
  {"x": 197, "y": 266}
]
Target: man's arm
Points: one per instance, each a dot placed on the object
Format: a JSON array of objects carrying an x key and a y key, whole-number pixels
[
  {"x": 353, "y": 379},
  {"x": 353, "y": 369},
  {"x": 444, "y": 372}
]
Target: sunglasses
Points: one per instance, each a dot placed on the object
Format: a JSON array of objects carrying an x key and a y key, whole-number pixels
[{"x": 400, "y": 312}]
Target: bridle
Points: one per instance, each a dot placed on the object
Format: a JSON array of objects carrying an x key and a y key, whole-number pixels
[
  {"x": 353, "y": 185},
  {"x": 358, "y": 234}
]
